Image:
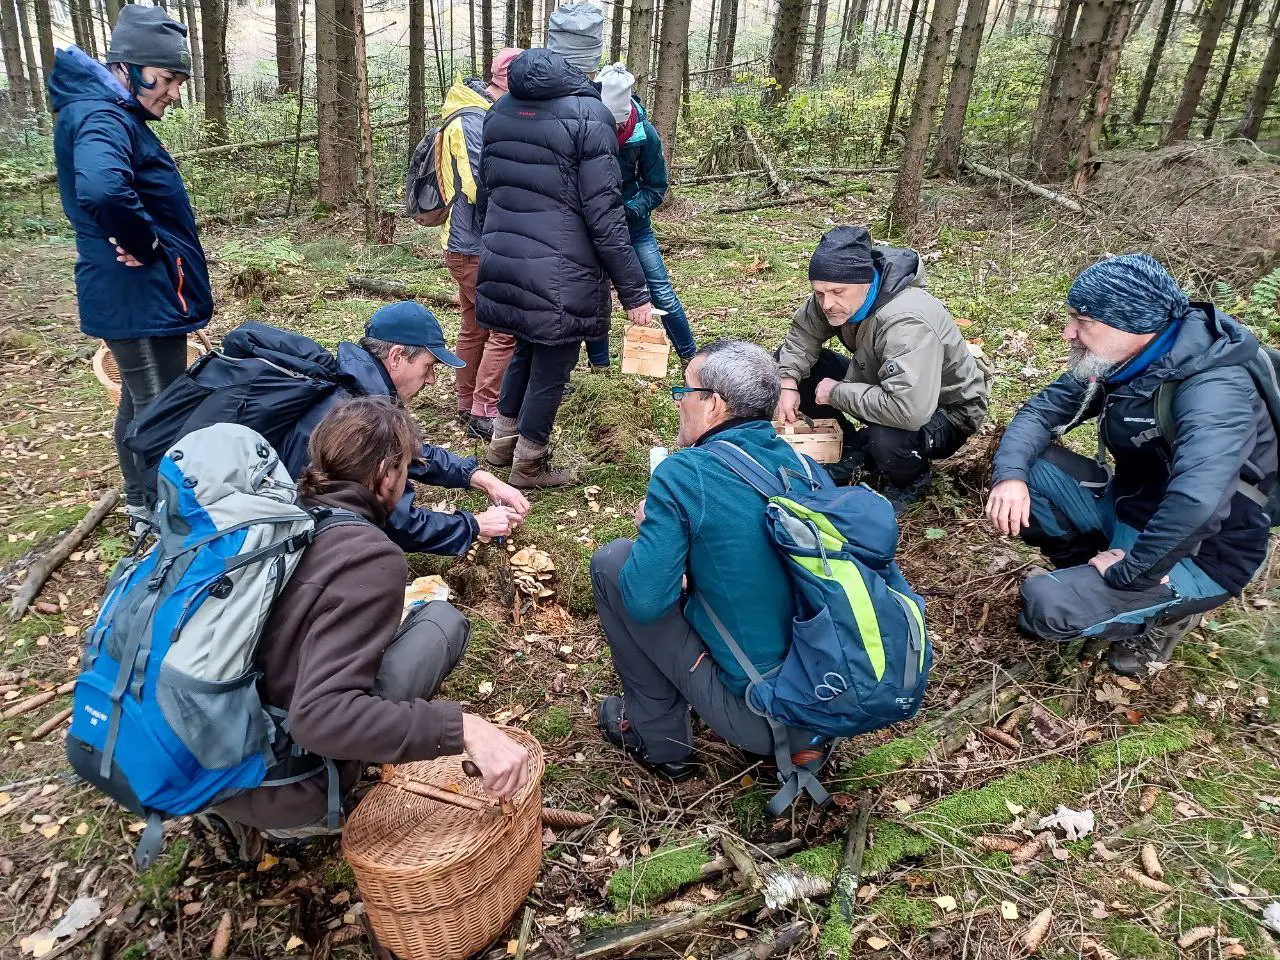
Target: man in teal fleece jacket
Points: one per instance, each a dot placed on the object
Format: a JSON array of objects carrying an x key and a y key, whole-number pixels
[{"x": 701, "y": 528}]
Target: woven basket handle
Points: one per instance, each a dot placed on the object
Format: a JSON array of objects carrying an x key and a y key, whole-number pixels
[
  {"x": 448, "y": 797},
  {"x": 203, "y": 336}
]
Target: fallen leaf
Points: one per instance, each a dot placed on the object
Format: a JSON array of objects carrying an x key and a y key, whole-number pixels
[
  {"x": 512, "y": 947},
  {"x": 137, "y": 826},
  {"x": 1075, "y": 824},
  {"x": 614, "y": 838},
  {"x": 1110, "y": 693},
  {"x": 294, "y": 943},
  {"x": 192, "y": 909},
  {"x": 1008, "y": 910},
  {"x": 946, "y": 904},
  {"x": 747, "y": 780},
  {"x": 82, "y": 912},
  {"x": 877, "y": 943},
  {"x": 484, "y": 688},
  {"x": 1013, "y": 808},
  {"x": 50, "y": 831},
  {"x": 38, "y": 944},
  {"x": 902, "y": 806},
  {"x": 1234, "y": 950}
]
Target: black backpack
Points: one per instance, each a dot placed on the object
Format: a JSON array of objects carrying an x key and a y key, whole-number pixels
[
  {"x": 1264, "y": 367},
  {"x": 424, "y": 188},
  {"x": 263, "y": 378}
]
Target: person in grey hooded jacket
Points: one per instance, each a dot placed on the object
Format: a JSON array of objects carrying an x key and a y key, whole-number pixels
[
  {"x": 912, "y": 384},
  {"x": 1181, "y": 524}
]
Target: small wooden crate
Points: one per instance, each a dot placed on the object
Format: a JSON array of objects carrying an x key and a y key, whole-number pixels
[
  {"x": 824, "y": 441},
  {"x": 645, "y": 350}
]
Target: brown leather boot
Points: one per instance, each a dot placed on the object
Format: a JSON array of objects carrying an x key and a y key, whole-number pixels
[
  {"x": 532, "y": 469},
  {"x": 502, "y": 445}
]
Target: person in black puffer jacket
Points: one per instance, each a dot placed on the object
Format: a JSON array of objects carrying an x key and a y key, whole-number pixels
[{"x": 554, "y": 236}]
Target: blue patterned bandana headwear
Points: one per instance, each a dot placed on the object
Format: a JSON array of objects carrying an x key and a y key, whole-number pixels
[{"x": 1131, "y": 292}]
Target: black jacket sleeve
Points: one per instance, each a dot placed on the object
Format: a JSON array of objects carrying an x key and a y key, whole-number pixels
[
  {"x": 600, "y": 193},
  {"x": 1216, "y": 435},
  {"x": 1060, "y": 404}
]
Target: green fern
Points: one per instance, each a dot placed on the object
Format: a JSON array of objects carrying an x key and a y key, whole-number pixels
[{"x": 1262, "y": 310}]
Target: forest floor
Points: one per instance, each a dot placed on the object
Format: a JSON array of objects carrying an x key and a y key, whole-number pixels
[{"x": 1186, "y": 762}]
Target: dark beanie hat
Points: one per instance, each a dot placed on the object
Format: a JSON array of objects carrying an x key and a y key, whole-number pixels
[
  {"x": 843, "y": 255},
  {"x": 149, "y": 37}
]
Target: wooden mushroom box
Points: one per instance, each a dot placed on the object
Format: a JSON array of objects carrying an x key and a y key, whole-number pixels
[
  {"x": 823, "y": 441},
  {"x": 645, "y": 350}
]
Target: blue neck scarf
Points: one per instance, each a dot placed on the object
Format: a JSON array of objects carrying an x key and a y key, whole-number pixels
[
  {"x": 1149, "y": 354},
  {"x": 867, "y": 304}
]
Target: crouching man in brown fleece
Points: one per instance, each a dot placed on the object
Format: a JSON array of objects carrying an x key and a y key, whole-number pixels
[{"x": 357, "y": 684}]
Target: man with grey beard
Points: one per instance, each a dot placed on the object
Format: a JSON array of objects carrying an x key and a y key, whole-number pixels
[{"x": 1182, "y": 522}]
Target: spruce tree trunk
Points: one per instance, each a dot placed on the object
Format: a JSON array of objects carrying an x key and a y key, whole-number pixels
[
  {"x": 213, "y": 18},
  {"x": 853, "y": 36},
  {"x": 1063, "y": 27},
  {"x": 784, "y": 49},
  {"x": 33, "y": 72},
  {"x": 1198, "y": 72},
  {"x": 1153, "y": 65},
  {"x": 896, "y": 95},
  {"x": 471, "y": 32},
  {"x": 673, "y": 48},
  {"x": 819, "y": 41},
  {"x": 44, "y": 31},
  {"x": 904, "y": 209},
  {"x": 19, "y": 89},
  {"x": 615, "y": 37},
  {"x": 288, "y": 56},
  {"x": 946, "y": 158},
  {"x": 417, "y": 70},
  {"x": 360, "y": 63},
  {"x": 1011, "y": 16},
  {"x": 113, "y": 11},
  {"x": 1091, "y": 133},
  {"x": 726, "y": 33},
  {"x": 197, "y": 53},
  {"x": 1057, "y": 134},
  {"x": 509, "y": 24},
  {"x": 640, "y": 44},
  {"x": 336, "y": 120},
  {"x": 524, "y": 23},
  {"x": 1247, "y": 10},
  {"x": 486, "y": 37},
  {"x": 1254, "y": 110}
]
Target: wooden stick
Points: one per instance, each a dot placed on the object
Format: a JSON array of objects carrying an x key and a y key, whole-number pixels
[
  {"x": 43, "y": 911},
  {"x": 626, "y": 937},
  {"x": 780, "y": 186},
  {"x": 738, "y": 855},
  {"x": 777, "y": 202},
  {"x": 29, "y": 704},
  {"x": 57, "y": 720},
  {"x": 399, "y": 291},
  {"x": 88, "y": 880},
  {"x": 1033, "y": 188},
  {"x": 772, "y": 943},
  {"x": 526, "y": 928},
  {"x": 447, "y": 796},
  {"x": 850, "y": 876},
  {"x": 40, "y": 571}
]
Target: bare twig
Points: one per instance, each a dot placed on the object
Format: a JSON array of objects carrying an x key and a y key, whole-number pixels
[
  {"x": 772, "y": 943},
  {"x": 43, "y": 910},
  {"x": 57, "y": 720},
  {"x": 526, "y": 927},
  {"x": 738, "y": 855},
  {"x": 40, "y": 571}
]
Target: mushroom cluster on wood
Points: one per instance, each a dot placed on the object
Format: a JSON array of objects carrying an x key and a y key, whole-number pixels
[{"x": 531, "y": 569}]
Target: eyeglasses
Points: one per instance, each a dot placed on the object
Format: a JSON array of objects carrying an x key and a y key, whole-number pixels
[{"x": 679, "y": 392}]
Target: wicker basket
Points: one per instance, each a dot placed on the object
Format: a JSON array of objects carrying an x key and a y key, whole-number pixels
[
  {"x": 441, "y": 882},
  {"x": 108, "y": 374}
]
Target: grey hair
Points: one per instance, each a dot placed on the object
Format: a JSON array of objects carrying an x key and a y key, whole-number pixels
[
  {"x": 380, "y": 348},
  {"x": 744, "y": 375}
]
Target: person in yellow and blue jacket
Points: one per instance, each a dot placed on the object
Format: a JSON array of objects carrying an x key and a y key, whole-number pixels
[{"x": 485, "y": 352}]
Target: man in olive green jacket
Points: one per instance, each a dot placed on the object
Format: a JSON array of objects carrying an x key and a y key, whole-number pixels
[{"x": 913, "y": 383}]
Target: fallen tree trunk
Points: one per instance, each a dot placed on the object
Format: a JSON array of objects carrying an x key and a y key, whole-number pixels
[
  {"x": 41, "y": 570},
  {"x": 779, "y": 186},
  {"x": 1033, "y": 188},
  {"x": 738, "y": 174},
  {"x": 400, "y": 291},
  {"x": 772, "y": 943}
]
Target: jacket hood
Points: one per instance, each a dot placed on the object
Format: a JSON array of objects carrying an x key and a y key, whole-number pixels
[
  {"x": 543, "y": 75},
  {"x": 899, "y": 268},
  {"x": 465, "y": 93},
  {"x": 77, "y": 76},
  {"x": 365, "y": 369},
  {"x": 1208, "y": 339}
]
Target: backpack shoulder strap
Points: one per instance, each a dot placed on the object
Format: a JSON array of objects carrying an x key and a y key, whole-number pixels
[
  {"x": 1164, "y": 409},
  {"x": 747, "y": 467},
  {"x": 327, "y": 518}
]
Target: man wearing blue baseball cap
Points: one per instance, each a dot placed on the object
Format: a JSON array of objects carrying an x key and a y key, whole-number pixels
[
  {"x": 1181, "y": 393},
  {"x": 396, "y": 358}
]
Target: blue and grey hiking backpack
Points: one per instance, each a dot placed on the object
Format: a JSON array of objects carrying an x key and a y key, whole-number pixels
[
  {"x": 859, "y": 657},
  {"x": 167, "y": 718}
]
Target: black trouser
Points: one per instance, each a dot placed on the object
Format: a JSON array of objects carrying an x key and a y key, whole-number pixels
[
  {"x": 901, "y": 456},
  {"x": 534, "y": 386},
  {"x": 146, "y": 367}
]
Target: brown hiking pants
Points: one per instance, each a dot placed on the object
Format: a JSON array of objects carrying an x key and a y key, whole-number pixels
[{"x": 485, "y": 352}]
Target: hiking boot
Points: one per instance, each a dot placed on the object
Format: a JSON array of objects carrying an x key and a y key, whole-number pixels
[
  {"x": 617, "y": 730},
  {"x": 231, "y": 839},
  {"x": 464, "y": 418},
  {"x": 1133, "y": 656},
  {"x": 903, "y": 497},
  {"x": 599, "y": 368},
  {"x": 532, "y": 470},
  {"x": 480, "y": 427},
  {"x": 140, "y": 521},
  {"x": 502, "y": 442}
]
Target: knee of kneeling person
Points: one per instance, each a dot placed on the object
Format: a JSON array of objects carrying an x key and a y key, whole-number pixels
[
  {"x": 1043, "y": 612},
  {"x": 607, "y": 561}
]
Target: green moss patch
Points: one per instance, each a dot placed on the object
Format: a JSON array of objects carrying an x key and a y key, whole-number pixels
[
  {"x": 653, "y": 878},
  {"x": 876, "y": 764},
  {"x": 555, "y": 723},
  {"x": 1131, "y": 941},
  {"x": 32, "y": 529}
]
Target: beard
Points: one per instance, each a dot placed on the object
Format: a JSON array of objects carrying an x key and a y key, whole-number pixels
[{"x": 1085, "y": 365}]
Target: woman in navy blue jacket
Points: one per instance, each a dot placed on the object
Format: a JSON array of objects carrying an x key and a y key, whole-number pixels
[{"x": 141, "y": 277}]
